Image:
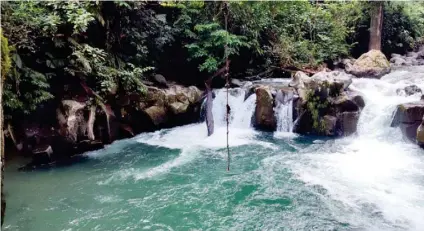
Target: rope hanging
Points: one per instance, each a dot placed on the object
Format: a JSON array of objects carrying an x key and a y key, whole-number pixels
[{"x": 227, "y": 85}]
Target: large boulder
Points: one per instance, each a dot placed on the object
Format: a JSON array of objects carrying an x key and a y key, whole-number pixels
[
  {"x": 348, "y": 122},
  {"x": 326, "y": 106},
  {"x": 408, "y": 117},
  {"x": 157, "y": 114},
  {"x": 179, "y": 99},
  {"x": 162, "y": 107},
  {"x": 71, "y": 120},
  {"x": 372, "y": 64},
  {"x": 329, "y": 83},
  {"x": 330, "y": 125},
  {"x": 347, "y": 102},
  {"x": 357, "y": 98},
  {"x": 153, "y": 96},
  {"x": 339, "y": 79},
  {"x": 299, "y": 82},
  {"x": 408, "y": 113},
  {"x": 264, "y": 112}
]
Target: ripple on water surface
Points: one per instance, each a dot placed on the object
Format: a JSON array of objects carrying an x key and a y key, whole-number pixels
[{"x": 176, "y": 179}]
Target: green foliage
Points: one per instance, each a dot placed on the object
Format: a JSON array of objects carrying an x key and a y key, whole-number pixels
[
  {"x": 314, "y": 33},
  {"x": 52, "y": 47},
  {"x": 93, "y": 63},
  {"x": 403, "y": 26},
  {"x": 315, "y": 106},
  {"x": 406, "y": 24},
  {"x": 24, "y": 90},
  {"x": 110, "y": 46},
  {"x": 5, "y": 57},
  {"x": 210, "y": 43}
]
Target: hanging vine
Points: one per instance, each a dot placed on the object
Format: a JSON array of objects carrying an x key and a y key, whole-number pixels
[
  {"x": 227, "y": 84},
  {"x": 208, "y": 82}
]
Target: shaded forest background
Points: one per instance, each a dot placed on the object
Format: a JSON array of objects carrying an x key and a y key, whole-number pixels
[{"x": 56, "y": 50}]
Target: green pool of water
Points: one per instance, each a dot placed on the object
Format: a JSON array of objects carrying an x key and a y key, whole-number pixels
[{"x": 273, "y": 184}]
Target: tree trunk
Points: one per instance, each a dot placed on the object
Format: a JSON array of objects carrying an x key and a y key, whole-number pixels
[
  {"x": 209, "y": 101},
  {"x": 3, "y": 200},
  {"x": 90, "y": 123},
  {"x": 376, "y": 25}
]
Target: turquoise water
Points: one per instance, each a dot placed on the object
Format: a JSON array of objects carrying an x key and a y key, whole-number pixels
[
  {"x": 176, "y": 179},
  {"x": 136, "y": 186}
]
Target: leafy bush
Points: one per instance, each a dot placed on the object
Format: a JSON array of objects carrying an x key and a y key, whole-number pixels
[{"x": 111, "y": 46}]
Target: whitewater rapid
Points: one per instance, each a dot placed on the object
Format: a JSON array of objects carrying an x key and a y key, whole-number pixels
[{"x": 375, "y": 175}]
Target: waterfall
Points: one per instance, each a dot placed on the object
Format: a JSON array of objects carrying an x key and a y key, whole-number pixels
[
  {"x": 381, "y": 99},
  {"x": 284, "y": 111},
  {"x": 241, "y": 110},
  {"x": 376, "y": 167}
]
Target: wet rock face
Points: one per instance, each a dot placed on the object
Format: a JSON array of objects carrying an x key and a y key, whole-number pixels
[
  {"x": 165, "y": 106},
  {"x": 70, "y": 116},
  {"x": 330, "y": 125},
  {"x": 372, "y": 64},
  {"x": 408, "y": 113},
  {"x": 264, "y": 112},
  {"x": 82, "y": 126},
  {"x": 348, "y": 122},
  {"x": 326, "y": 106},
  {"x": 409, "y": 117}
]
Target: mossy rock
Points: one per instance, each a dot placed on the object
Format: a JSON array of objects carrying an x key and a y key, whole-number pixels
[{"x": 372, "y": 64}]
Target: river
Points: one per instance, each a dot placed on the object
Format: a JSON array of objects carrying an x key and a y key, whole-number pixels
[{"x": 176, "y": 179}]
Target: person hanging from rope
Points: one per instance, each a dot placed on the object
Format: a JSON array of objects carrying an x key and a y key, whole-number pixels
[
  {"x": 208, "y": 84},
  {"x": 227, "y": 84}
]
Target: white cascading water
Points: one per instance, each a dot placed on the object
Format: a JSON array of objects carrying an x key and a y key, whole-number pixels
[
  {"x": 241, "y": 110},
  {"x": 377, "y": 173},
  {"x": 193, "y": 137},
  {"x": 284, "y": 113}
]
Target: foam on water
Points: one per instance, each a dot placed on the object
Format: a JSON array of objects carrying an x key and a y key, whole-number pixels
[
  {"x": 195, "y": 135},
  {"x": 376, "y": 173},
  {"x": 175, "y": 179},
  {"x": 191, "y": 139}
]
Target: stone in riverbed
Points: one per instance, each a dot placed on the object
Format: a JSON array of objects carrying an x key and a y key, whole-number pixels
[
  {"x": 348, "y": 122},
  {"x": 330, "y": 123},
  {"x": 372, "y": 64},
  {"x": 178, "y": 107},
  {"x": 327, "y": 107},
  {"x": 156, "y": 114},
  {"x": 264, "y": 113},
  {"x": 346, "y": 103},
  {"x": 328, "y": 83},
  {"x": 340, "y": 79},
  {"x": 70, "y": 116},
  {"x": 408, "y": 113},
  {"x": 408, "y": 118}
]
